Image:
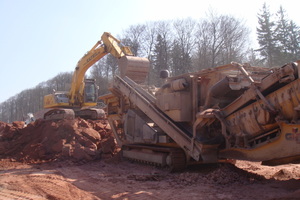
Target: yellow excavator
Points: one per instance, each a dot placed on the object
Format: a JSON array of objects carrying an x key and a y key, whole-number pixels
[{"x": 81, "y": 99}]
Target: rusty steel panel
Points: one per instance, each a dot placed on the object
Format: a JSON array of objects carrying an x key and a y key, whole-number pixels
[
  {"x": 256, "y": 119},
  {"x": 287, "y": 144}
]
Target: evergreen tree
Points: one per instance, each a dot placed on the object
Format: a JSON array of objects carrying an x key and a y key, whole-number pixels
[
  {"x": 160, "y": 57},
  {"x": 283, "y": 42},
  {"x": 266, "y": 37},
  {"x": 181, "y": 60},
  {"x": 175, "y": 59},
  {"x": 294, "y": 37}
]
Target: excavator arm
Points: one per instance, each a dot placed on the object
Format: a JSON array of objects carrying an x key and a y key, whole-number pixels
[
  {"x": 107, "y": 44},
  {"x": 82, "y": 96}
]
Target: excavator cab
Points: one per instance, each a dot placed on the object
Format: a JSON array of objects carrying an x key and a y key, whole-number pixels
[
  {"x": 59, "y": 99},
  {"x": 90, "y": 91},
  {"x": 61, "y": 109}
]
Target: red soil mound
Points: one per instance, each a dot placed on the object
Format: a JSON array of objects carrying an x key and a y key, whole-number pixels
[{"x": 76, "y": 139}]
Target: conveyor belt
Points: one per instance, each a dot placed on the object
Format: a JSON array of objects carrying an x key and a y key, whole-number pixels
[{"x": 145, "y": 102}]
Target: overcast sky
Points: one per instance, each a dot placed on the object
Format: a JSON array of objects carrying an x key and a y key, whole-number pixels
[{"x": 41, "y": 38}]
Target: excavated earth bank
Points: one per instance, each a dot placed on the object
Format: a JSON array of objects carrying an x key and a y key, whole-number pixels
[{"x": 76, "y": 140}]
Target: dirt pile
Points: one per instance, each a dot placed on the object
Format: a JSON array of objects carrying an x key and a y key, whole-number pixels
[{"x": 76, "y": 139}]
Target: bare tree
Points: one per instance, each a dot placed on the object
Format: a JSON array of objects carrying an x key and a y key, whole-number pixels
[
  {"x": 31, "y": 100},
  {"x": 149, "y": 39},
  {"x": 220, "y": 40},
  {"x": 148, "y": 46},
  {"x": 253, "y": 58},
  {"x": 133, "y": 37},
  {"x": 102, "y": 72},
  {"x": 183, "y": 44}
]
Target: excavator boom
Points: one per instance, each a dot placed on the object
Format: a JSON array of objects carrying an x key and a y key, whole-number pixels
[
  {"x": 83, "y": 92},
  {"x": 107, "y": 44}
]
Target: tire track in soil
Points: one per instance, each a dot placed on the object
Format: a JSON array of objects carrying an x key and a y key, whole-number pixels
[
  {"x": 14, "y": 194},
  {"x": 39, "y": 184}
]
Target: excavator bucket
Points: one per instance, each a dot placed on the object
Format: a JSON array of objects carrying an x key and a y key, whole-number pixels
[{"x": 136, "y": 68}]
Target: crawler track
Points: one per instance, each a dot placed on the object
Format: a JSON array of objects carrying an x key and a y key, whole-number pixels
[{"x": 172, "y": 158}]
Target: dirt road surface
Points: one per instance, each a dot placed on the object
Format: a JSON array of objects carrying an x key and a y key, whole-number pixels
[
  {"x": 121, "y": 179},
  {"x": 78, "y": 159}
]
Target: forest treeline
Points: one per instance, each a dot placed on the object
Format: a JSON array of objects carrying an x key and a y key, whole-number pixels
[{"x": 180, "y": 46}]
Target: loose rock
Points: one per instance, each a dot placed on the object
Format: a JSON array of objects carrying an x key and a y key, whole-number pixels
[{"x": 76, "y": 139}]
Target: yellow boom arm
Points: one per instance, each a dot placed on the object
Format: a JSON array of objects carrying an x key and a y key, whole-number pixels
[{"x": 108, "y": 44}]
